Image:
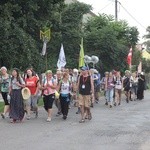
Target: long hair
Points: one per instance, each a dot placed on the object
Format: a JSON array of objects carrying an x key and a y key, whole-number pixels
[
  {"x": 33, "y": 74},
  {"x": 18, "y": 75}
]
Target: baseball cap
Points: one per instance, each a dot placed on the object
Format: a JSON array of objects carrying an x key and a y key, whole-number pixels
[{"x": 84, "y": 68}]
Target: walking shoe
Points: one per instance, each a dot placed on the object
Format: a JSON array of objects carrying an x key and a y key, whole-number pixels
[
  {"x": 3, "y": 116},
  {"x": 49, "y": 119},
  {"x": 13, "y": 121},
  {"x": 64, "y": 117},
  {"x": 110, "y": 106},
  {"x": 78, "y": 112},
  {"x": 90, "y": 116},
  {"x": 28, "y": 117},
  {"x": 119, "y": 104},
  {"x": 58, "y": 114},
  {"x": 36, "y": 114},
  {"x": 82, "y": 121},
  {"x": 115, "y": 104},
  {"x": 96, "y": 101},
  {"x": 106, "y": 103}
]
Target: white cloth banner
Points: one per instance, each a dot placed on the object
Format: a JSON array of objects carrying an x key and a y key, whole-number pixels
[
  {"x": 140, "y": 67},
  {"x": 62, "y": 59},
  {"x": 44, "y": 48}
]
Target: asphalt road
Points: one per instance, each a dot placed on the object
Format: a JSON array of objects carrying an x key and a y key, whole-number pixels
[{"x": 125, "y": 127}]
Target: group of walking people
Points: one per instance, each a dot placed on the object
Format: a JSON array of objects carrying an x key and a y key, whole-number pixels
[
  {"x": 113, "y": 84},
  {"x": 82, "y": 87},
  {"x": 59, "y": 88}
]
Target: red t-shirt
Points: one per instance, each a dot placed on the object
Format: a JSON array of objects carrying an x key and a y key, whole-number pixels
[{"x": 31, "y": 83}]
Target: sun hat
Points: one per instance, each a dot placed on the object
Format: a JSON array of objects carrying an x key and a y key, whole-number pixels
[
  {"x": 25, "y": 93},
  {"x": 75, "y": 70}
]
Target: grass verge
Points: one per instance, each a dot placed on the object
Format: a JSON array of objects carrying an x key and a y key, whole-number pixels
[{"x": 2, "y": 104}]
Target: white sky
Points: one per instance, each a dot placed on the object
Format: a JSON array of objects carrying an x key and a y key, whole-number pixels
[{"x": 139, "y": 9}]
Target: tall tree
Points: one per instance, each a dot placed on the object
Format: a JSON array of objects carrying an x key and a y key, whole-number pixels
[
  {"x": 20, "y": 24},
  {"x": 110, "y": 41},
  {"x": 72, "y": 23}
]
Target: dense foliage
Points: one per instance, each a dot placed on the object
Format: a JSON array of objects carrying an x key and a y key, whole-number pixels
[
  {"x": 20, "y": 44},
  {"x": 110, "y": 41}
]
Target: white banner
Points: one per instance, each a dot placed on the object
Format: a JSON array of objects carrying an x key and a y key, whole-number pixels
[
  {"x": 62, "y": 59},
  {"x": 44, "y": 48}
]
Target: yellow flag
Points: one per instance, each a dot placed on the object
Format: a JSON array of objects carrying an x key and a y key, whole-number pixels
[
  {"x": 46, "y": 34},
  {"x": 81, "y": 56}
]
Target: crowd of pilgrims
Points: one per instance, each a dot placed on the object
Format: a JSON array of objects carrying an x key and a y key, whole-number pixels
[{"x": 83, "y": 88}]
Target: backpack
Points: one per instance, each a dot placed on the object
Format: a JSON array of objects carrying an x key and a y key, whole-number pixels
[
  {"x": 126, "y": 82},
  {"x": 44, "y": 81},
  {"x": 115, "y": 82}
]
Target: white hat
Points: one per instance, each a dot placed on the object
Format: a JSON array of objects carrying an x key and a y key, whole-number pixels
[
  {"x": 26, "y": 93},
  {"x": 75, "y": 70},
  {"x": 3, "y": 68},
  {"x": 94, "y": 70}
]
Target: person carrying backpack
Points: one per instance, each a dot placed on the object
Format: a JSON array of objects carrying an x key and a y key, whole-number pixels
[
  {"x": 65, "y": 90},
  {"x": 4, "y": 88},
  {"x": 118, "y": 88},
  {"x": 109, "y": 88},
  {"x": 49, "y": 87}
]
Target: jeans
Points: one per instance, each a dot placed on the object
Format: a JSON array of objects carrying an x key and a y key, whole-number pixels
[{"x": 109, "y": 95}]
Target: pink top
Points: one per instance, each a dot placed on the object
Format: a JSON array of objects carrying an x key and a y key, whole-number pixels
[
  {"x": 110, "y": 83},
  {"x": 49, "y": 90}
]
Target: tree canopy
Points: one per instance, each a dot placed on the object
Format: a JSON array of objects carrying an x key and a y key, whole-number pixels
[
  {"x": 110, "y": 41},
  {"x": 20, "y": 43}
]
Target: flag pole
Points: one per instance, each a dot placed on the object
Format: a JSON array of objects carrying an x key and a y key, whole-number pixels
[{"x": 46, "y": 62}]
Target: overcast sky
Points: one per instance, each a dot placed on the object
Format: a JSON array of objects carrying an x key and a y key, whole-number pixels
[{"x": 139, "y": 9}]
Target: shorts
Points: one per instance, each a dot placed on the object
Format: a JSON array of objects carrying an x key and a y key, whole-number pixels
[
  {"x": 85, "y": 100},
  {"x": 48, "y": 101},
  {"x": 4, "y": 96},
  {"x": 127, "y": 89},
  {"x": 119, "y": 91}
]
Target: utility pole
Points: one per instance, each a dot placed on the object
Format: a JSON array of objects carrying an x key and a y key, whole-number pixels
[{"x": 116, "y": 10}]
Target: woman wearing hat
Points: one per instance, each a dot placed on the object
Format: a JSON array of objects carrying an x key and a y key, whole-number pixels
[
  {"x": 4, "y": 81},
  {"x": 32, "y": 82},
  {"x": 48, "y": 86},
  {"x": 16, "y": 102}
]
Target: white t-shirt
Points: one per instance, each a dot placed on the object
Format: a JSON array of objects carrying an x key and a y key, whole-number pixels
[
  {"x": 65, "y": 88},
  {"x": 118, "y": 84}
]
